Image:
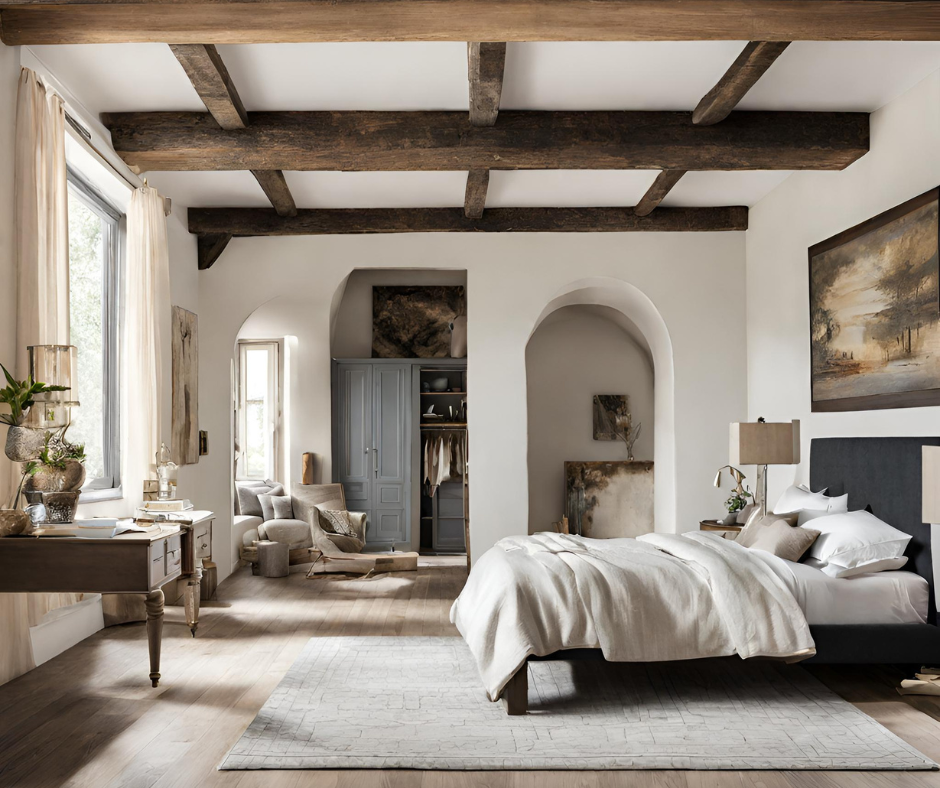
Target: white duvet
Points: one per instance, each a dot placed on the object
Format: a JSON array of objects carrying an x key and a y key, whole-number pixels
[{"x": 656, "y": 598}]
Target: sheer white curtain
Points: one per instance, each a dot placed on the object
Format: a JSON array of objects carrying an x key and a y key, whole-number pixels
[
  {"x": 146, "y": 332},
  {"x": 42, "y": 309}
]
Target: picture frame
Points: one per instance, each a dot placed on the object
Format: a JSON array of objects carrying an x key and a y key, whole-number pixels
[{"x": 874, "y": 312}]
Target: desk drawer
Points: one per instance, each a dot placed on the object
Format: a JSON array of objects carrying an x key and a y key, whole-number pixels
[
  {"x": 157, "y": 564},
  {"x": 174, "y": 562},
  {"x": 202, "y": 541}
]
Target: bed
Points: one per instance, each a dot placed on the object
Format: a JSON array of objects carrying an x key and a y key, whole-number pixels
[{"x": 668, "y": 597}]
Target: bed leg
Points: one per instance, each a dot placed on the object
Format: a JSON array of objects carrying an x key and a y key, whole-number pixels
[{"x": 515, "y": 695}]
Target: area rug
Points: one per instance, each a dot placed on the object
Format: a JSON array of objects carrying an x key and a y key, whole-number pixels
[{"x": 418, "y": 703}]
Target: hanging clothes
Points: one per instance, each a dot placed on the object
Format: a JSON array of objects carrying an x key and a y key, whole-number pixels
[{"x": 443, "y": 458}]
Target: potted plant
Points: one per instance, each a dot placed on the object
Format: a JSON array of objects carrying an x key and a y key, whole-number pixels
[
  {"x": 735, "y": 504},
  {"x": 23, "y": 444},
  {"x": 56, "y": 476}
]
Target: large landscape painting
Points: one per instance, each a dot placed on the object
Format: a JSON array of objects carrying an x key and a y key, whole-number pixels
[
  {"x": 875, "y": 312},
  {"x": 414, "y": 321}
]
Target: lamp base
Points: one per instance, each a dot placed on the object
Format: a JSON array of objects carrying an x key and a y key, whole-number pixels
[{"x": 760, "y": 494}]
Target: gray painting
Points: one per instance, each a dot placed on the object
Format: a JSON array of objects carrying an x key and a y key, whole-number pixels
[
  {"x": 875, "y": 312},
  {"x": 414, "y": 321},
  {"x": 611, "y": 417}
]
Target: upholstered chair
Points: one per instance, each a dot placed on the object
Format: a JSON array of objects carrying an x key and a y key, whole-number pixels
[{"x": 308, "y": 527}]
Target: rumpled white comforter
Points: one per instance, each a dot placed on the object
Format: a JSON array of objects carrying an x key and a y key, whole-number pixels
[{"x": 656, "y": 598}]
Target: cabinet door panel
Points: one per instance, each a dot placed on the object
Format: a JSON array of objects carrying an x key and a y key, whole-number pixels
[
  {"x": 390, "y": 384},
  {"x": 355, "y": 444},
  {"x": 388, "y": 526}
]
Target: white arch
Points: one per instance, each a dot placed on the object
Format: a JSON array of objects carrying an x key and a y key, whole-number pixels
[{"x": 636, "y": 306}]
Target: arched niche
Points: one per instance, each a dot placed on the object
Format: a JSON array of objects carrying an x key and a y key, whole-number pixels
[{"x": 641, "y": 315}]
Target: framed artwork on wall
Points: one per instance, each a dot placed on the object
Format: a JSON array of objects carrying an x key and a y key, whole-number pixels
[
  {"x": 874, "y": 305},
  {"x": 414, "y": 321}
]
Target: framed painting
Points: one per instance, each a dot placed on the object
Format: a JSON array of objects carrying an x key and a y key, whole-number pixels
[
  {"x": 414, "y": 321},
  {"x": 874, "y": 305}
]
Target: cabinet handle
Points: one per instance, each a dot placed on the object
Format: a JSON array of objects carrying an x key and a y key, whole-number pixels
[{"x": 375, "y": 461}]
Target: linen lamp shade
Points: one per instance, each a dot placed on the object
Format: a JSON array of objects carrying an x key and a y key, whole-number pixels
[
  {"x": 762, "y": 443},
  {"x": 931, "y": 496}
]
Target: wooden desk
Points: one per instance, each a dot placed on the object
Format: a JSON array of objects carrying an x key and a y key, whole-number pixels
[
  {"x": 197, "y": 547},
  {"x": 126, "y": 564}
]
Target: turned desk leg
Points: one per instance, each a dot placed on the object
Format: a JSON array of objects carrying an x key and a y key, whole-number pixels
[
  {"x": 515, "y": 694},
  {"x": 154, "y": 605},
  {"x": 192, "y": 596}
]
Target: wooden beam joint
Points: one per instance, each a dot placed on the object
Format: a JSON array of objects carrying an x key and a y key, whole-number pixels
[{"x": 209, "y": 246}]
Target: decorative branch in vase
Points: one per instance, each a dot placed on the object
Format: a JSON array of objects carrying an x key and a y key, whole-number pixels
[{"x": 628, "y": 433}]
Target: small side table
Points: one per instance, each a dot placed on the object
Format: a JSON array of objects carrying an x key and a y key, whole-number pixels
[{"x": 727, "y": 531}]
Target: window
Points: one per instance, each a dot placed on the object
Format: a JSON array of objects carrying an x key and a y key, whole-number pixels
[
  {"x": 95, "y": 235},
  {"x": 258, "y": 410}
]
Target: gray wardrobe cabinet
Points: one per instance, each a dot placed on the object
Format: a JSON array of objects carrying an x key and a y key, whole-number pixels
[{"x": 372, "y": 446}]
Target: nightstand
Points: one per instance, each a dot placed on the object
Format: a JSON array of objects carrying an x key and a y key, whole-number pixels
[{"x": 727, "y": 531}]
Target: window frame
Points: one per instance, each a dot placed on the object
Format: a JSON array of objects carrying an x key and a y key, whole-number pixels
[
  {"x": 107, "y": 487},
  {"x": 275, "y": 384}
]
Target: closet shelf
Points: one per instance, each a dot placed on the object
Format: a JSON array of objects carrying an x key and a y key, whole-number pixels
[
  {"x": 434, "y": 425},
  {"x": 441, "y": 393}
]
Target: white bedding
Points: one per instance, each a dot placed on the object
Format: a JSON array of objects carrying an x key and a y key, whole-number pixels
[
  {"x": 660, "y": 597},
  {"x": 882, "y": 598}
]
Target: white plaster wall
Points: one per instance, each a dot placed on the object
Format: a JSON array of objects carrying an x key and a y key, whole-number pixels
[
  {"x": 807, "y": 208},
  {"x": 696, "y": 281},
  {"x": 577, "y": 352}
]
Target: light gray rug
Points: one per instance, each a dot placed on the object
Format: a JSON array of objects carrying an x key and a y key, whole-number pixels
[{"x": 418, "y": 703}]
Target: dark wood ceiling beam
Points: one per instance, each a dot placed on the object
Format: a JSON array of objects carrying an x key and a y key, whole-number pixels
[
  {"x": 475, "y": 196},
  {"x": 216, "y": 226},
  {"x": 747, "y": 68},
  {"x": 277, "y": 191},
  {"x": 657, "y": 192},
  {"x": 211, "y": 80},
  {"x": 29, "y": 22},
  {"x": 444, "y": 141},
  {"x": 208, "y": 248},
  {"x": 485, "y": 65}
]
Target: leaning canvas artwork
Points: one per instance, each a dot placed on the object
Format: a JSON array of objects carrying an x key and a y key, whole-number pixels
[
  {"x": 611, "y": 416},
  {"x": 875, "y": 312}
]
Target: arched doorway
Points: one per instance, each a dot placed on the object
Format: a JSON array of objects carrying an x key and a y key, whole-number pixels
[{"x": 639, "y": 315}]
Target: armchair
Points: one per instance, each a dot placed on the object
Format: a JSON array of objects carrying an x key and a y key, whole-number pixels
[{"x": 305, "y": 530}]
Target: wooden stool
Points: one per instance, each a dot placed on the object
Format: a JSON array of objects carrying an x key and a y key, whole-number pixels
[{"x": 273, "y": 559}]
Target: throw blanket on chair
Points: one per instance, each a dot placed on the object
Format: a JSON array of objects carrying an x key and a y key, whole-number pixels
[{"x": 656, "y": 598}]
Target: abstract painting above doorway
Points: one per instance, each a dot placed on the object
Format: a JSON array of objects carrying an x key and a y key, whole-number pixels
[
  {"x": 414, "y": 321},
  {"x": 875, "y": 312}
]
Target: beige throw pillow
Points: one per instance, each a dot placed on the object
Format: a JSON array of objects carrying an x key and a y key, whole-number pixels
[
  {"x": 336, "y": 522},
  {"x": 783, "y": 540},
  {"x": 757, "y": 523}
]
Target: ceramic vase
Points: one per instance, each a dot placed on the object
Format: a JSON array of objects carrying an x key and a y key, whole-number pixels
[
  {"x": 13, "y": 521},
  {"x": 24, "y": 444},
  {"x": 458, "y": 337},
  {"x": 47, "y": 479}
]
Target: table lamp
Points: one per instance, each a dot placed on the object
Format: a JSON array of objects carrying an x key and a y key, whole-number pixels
[{"x": 761, "y": 443}]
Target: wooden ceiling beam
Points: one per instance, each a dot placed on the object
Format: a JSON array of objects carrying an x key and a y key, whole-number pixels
[
  {"x": 747, "y": 68},
  {"x": 208, "y": 248},
  {"x": 212, "y": 82},
  {"x": 28, "y": 22},
  {"x": 216, "y": 226},
  {"x": 210, "y": 78},
  {"x": 444, "y": 141},
  {"x": 486, "y": 63},
  {"x": 655, "y": 194},
  {"x": 475, "y": 196},
  {"x": 277, "y": 191}
]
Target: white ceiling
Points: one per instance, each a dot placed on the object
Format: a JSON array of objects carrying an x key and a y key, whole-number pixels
[{"x": 845, "y": 76}]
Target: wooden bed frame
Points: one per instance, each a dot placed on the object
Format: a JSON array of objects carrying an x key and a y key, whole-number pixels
[{"x": 885, "y": 475}]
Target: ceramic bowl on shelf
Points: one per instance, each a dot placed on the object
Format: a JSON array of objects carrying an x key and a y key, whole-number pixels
[{"x": 439, "y": 384}]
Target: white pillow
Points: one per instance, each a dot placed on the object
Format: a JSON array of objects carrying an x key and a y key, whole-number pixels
[
  {"x": 796, "y": 499},
  {"x": 881, "y": 565},
  {"x": 851, "y": 539},
  {"x": 838, "y": 504}
]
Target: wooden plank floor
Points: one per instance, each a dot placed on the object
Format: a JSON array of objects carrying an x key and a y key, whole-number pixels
[{"x": 90, "y": 718}]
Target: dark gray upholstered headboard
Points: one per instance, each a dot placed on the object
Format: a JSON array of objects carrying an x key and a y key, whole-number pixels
[{"x": 885, "y": 474}]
